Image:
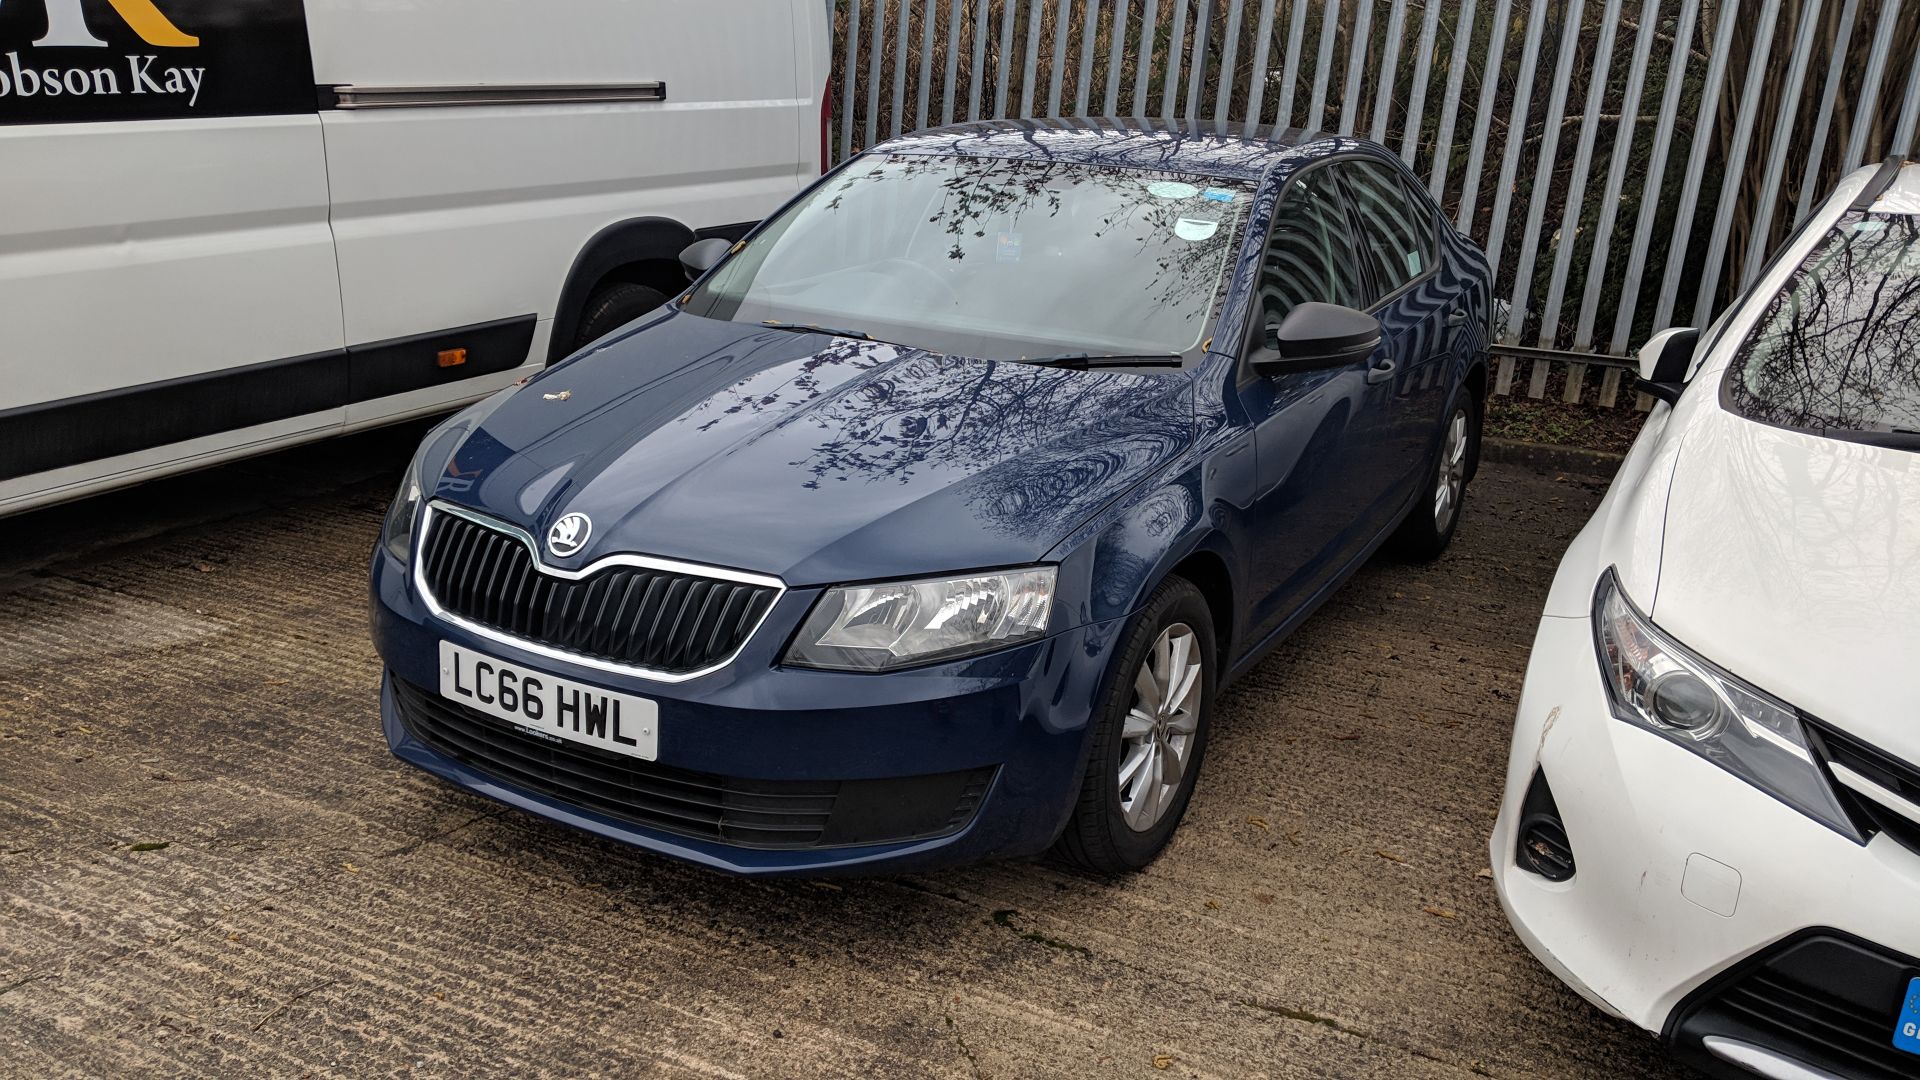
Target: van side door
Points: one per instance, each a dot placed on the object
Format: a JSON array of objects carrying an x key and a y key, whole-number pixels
[
  {"x": 168, "y": 289},
  {"x": 477, "y": 148}
]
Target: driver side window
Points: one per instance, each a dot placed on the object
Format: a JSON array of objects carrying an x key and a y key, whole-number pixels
[{"x": 1308, "y": 256}]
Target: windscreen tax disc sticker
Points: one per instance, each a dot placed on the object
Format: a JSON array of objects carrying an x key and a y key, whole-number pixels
[
  {"x": 1214, "y": 194},
  {"x": 1007, "y": 248},
  {"x": 1195, "y": 228},
  {"x": 1171, "y": 189}
]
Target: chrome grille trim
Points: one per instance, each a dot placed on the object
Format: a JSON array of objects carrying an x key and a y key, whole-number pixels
[
  {"x": 1850, "y": 778},
  {"x": 645, "y": 562}
]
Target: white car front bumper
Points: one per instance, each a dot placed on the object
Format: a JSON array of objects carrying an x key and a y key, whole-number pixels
[{"x": 1682, "y": 870}]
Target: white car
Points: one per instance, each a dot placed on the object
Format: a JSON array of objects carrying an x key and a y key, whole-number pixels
[
  {"x": 1711, "y": 823},
  {"x": 230, "y": 227}
]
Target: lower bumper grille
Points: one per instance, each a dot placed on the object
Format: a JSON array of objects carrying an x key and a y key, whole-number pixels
[
  {"x": 1543, "y": 845},
  {"x": 1823, "y": 998},
  {"x": 742, "y": 812}
]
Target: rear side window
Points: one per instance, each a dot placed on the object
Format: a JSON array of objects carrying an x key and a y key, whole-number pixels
[
  {"x": 1308, "y": 256},
  {"x": 1396, "y": 227},
  {"x": 1839, "y": 347}
]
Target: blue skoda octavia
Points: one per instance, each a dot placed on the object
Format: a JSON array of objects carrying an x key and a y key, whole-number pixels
[{"x": 928, "y": 524}]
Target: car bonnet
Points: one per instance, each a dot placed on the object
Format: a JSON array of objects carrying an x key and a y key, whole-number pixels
[
  {"x": 1793, "y": 561},
  {"x": 815, "y": 458}
]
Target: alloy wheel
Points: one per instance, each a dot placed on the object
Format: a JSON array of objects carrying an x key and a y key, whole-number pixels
[
  {"x": 1158, "y": 736},
  {"x": 1453, "y": 472}
]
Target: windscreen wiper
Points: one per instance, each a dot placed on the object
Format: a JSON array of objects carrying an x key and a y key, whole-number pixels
[
  {"x": 810, "y": 328},
  {"x": 1893, "y": 438},
  {"x": 1093, "y": 360}
]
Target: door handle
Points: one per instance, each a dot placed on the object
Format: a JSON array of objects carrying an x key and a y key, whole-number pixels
[
  {"x": 1456, "y": 317},
  {"x": 1380, "y": 372}
]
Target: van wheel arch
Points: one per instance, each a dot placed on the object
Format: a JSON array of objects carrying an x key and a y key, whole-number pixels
[{"x": 640, "y": 251}]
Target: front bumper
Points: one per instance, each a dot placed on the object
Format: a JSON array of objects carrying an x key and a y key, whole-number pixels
[
  {"x": 1006, "y": 730},
  {"x": 1682, "y": 871}
]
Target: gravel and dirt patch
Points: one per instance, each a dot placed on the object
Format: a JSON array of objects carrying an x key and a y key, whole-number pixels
[
  {"x": 212, "y": 866},
  {"x": 1549, "y": 421}
]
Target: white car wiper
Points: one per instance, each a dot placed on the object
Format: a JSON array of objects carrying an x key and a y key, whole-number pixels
[
  {"x": 1893, "y": 438},
  {"x": 1093, "y": 360}
]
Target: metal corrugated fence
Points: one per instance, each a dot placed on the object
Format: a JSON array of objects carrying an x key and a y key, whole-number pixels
[{"x": 1627, "y": 164}]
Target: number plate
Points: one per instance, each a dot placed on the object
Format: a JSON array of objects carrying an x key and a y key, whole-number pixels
[
  {"x": 549, "y": 706},
  {"x": 1906, "y": 1030}
]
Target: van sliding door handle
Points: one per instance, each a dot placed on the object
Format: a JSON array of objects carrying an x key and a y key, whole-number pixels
[{"x": 1456, "y": 317}]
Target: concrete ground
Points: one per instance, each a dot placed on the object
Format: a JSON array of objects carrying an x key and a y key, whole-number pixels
[{"x": 209, "y": 864}]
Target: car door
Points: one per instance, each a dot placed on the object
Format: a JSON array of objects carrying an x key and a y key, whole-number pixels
[
  {"x": 1394, "y": 229},
  {"x": 1312, "y": 429}
]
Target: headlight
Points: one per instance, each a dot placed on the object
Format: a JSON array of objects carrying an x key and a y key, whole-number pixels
[
  {"x": 397, "y": 533},
  {"x": 878, "y": 627},
  {"x": 1653, "y": 682}
]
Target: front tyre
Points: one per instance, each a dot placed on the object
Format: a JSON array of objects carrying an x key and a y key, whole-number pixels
[
  {"x": 613, "y": 306},
  {"x": 1150, "y": 733},
  {"x": 1430, "y": 525}
]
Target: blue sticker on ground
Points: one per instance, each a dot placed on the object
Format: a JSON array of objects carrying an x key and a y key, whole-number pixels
[{"x": 1906, "y": 1030}]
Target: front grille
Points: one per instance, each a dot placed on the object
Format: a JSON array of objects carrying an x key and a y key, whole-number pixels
[
  {"x": 1839, "y": 748},
  {"x": 742, "y": 812},
  {"x": 654, "y": 619},
  {"x": 1823, "y": 998}
]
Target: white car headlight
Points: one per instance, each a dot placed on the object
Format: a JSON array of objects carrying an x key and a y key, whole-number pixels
[
  {"x": 878, "y": 627},
  {"x": 1655, "y": 683}
]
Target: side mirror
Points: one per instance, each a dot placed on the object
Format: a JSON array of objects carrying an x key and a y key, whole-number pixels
[
  {"x": 1315, "y": 335},
  {"x": 1664, "y": 360},
  {"x": 702, "y": 255}
]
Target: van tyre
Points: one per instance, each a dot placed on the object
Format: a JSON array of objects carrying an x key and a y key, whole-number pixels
[
  {"x": 613, "y": 306},
  {"x": 1149, "y": 735},
  {"x": 1430, "y": 525}
]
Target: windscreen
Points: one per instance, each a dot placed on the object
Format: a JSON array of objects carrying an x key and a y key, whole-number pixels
[
  {"x": 1839, "y": 348},
  {"x": 992, "y": 258}
]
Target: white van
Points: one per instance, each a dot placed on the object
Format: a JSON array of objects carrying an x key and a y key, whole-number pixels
[{"x": 232, "y": 225}]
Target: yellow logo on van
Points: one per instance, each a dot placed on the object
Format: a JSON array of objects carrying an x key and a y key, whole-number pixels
[{"x": 67, "y": 25}]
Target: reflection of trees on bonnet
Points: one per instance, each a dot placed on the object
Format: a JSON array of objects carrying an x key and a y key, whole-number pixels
[
  {"x": 1036, "y": 444},
  {"x": 1840, "y": 346},
  {"x": 1040, "y": 444},
  {"x": 786, "y": 386}
]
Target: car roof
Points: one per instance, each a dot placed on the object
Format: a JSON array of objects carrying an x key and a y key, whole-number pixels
[{"x": 1204, "y": 148}]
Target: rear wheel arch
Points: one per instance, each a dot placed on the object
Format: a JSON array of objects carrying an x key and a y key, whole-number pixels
[
  {"x": 1476, "y": 381},
  {"x": 1476, "y": 386},
  {"x": 640, "y": 251}
]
